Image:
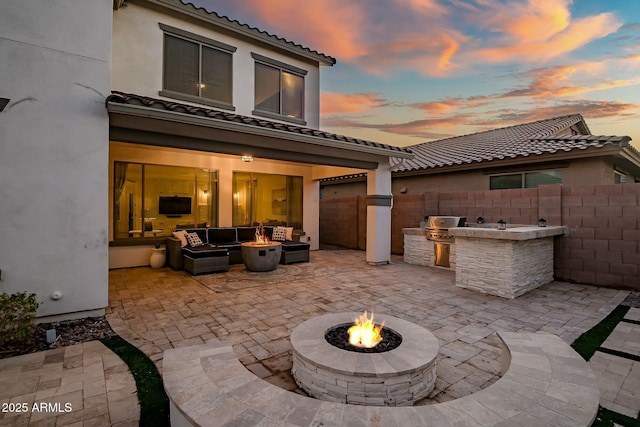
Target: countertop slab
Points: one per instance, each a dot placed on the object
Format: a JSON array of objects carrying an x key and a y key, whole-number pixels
[{"x": 515, "y": 233}]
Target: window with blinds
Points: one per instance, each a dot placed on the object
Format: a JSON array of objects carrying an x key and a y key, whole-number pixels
[
  {"x": 196, "y": 72},
  {"x": 279, "y": 90}
]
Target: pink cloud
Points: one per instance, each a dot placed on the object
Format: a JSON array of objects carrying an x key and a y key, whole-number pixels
[
  {"x": 524, "y": 44},
  {"x": 430, "y": 36},
  {"x": 342, "y": 103},
  {"x": 330, "y": 26},
  {"x": 527, "y": 22},
  {"x": 440, "y": 107},
  {"x": 372, "y": 36},
  {"x": 427, "y": 53},
  {"x": 425, "y": 7},
  {"x": 557, "y": 81}
]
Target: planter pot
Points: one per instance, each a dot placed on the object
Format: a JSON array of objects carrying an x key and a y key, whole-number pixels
[{"x": 158, "y": 258}]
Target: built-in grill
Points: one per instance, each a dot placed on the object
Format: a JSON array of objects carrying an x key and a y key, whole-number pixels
[
  {"x": 438, "y": 227},
  {"x": 437, "y": 230}
]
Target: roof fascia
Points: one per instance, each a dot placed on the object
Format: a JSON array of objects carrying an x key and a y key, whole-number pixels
[
  {"x": 246, "y": 31},
  {"x": 631, "y": 158},
  {"x": 172, "y": 116}
]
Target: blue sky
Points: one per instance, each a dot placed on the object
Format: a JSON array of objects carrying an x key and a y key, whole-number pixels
[{"x": 410, "y": 71}]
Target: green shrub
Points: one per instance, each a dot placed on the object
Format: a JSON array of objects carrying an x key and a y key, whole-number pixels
[{"x": 17, "y": 317}]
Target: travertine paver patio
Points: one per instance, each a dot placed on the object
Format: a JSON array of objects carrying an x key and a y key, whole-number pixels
[
  {"x": 83, "y": 384},
  {"x": 161, "y": 309}
]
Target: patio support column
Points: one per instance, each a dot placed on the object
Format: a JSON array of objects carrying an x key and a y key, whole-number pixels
[{"x": 379, "y": 202}]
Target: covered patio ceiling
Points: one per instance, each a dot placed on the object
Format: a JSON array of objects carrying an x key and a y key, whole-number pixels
[{"x": 150, "y": 121}]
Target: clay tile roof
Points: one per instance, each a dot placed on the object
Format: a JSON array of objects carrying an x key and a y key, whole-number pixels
[
  {"x": 236, "y": 26},
  {"x": 524, "y": 140},
  {"x": 161, "y": 104}
]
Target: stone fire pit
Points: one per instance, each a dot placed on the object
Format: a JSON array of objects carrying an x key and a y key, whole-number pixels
[
  {"x": 399, "y": 377},
  {"x": 261, "y": 256}
]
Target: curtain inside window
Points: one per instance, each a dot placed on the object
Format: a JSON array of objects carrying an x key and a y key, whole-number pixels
[
  {"x": 294, "y": 202},
  {"x": 120, "y": 178}
]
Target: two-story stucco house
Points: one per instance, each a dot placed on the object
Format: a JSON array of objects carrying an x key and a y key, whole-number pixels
[{"x": 148, "y": 115}]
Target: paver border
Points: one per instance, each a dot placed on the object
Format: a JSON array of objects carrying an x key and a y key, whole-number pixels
[{"x": 544, "y": 382}]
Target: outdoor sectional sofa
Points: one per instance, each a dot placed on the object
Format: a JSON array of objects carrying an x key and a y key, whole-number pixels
[{"x": 222, "y": 247}]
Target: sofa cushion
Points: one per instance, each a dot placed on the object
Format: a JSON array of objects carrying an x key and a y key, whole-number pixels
[
  {"x": 290, "y": 246},
  {"x": 201, "y": 232},
  {"x": 182, "y": 236},
  {"x": 204, "y": 251},
  {"x": 194, "y": 240},
  {"x": 221, "y": 235},
  {"x": 247, "y": 234},
  {"x": 289, "y": 235},
  {"x": 279, "y": 234},
  {"x": 233, "y": 246}
]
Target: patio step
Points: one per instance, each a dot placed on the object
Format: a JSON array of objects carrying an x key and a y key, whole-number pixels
[{"x": 544, "y": 382}]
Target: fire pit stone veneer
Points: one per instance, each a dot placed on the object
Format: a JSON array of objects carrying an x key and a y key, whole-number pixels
[{"x": 399, "y": 377}]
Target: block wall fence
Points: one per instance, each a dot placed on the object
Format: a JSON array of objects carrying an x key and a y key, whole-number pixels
[{"x": 603, "y": 246}]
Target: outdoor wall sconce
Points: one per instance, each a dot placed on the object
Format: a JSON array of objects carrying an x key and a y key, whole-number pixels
[
  {"x": 247, "y": 158},
  {"x": 502, "y": 225},
  {"x": 3, "y": 103},
  {"x": 480, "y": 220},
  {"x": 542, "y": 222}
]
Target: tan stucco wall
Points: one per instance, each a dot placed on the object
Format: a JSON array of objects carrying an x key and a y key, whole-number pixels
[
  {"x": 592, "y": 171},
  {"x": 137, "y": 67}
]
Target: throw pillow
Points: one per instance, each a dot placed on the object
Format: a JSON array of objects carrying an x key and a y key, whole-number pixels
[
  {"x": 289, "y": 233},
  {"x": 279, "y": 234},
  {"x": 182, "y": 235},
  {"x": 194, "y": 240}
]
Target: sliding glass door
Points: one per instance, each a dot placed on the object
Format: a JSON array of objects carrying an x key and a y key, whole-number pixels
[
  {"x": 267, "y": 199},
  {"x": 153, "y": 200}
]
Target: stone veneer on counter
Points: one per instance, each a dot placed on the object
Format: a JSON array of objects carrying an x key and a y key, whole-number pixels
[
  {"x": 420, "y": 251},
  {"x": 506, "y": 263}
]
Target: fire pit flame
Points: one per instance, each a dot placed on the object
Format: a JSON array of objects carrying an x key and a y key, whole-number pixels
[
  {"x": 261, "y": 238},
  {"x": 365, "y": 333}
]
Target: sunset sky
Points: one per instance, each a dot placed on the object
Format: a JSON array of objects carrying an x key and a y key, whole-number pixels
[{"x": 410, "y": 71}]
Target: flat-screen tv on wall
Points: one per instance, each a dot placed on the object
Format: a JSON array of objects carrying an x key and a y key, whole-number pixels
[{"x": 174, "y": 205}]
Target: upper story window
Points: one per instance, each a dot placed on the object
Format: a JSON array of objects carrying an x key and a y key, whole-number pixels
[
  {"x": 279, "y": 90},
  {"x": 197, "y": 69},
  {"x": 531, "y": 179}
]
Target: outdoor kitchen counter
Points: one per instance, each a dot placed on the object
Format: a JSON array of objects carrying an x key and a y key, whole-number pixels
[
  {"x": 515, "y": 233},
  {"x": 506, "y": 263}
]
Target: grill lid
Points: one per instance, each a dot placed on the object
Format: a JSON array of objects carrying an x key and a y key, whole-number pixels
[{"x": 444, "y": 222}]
